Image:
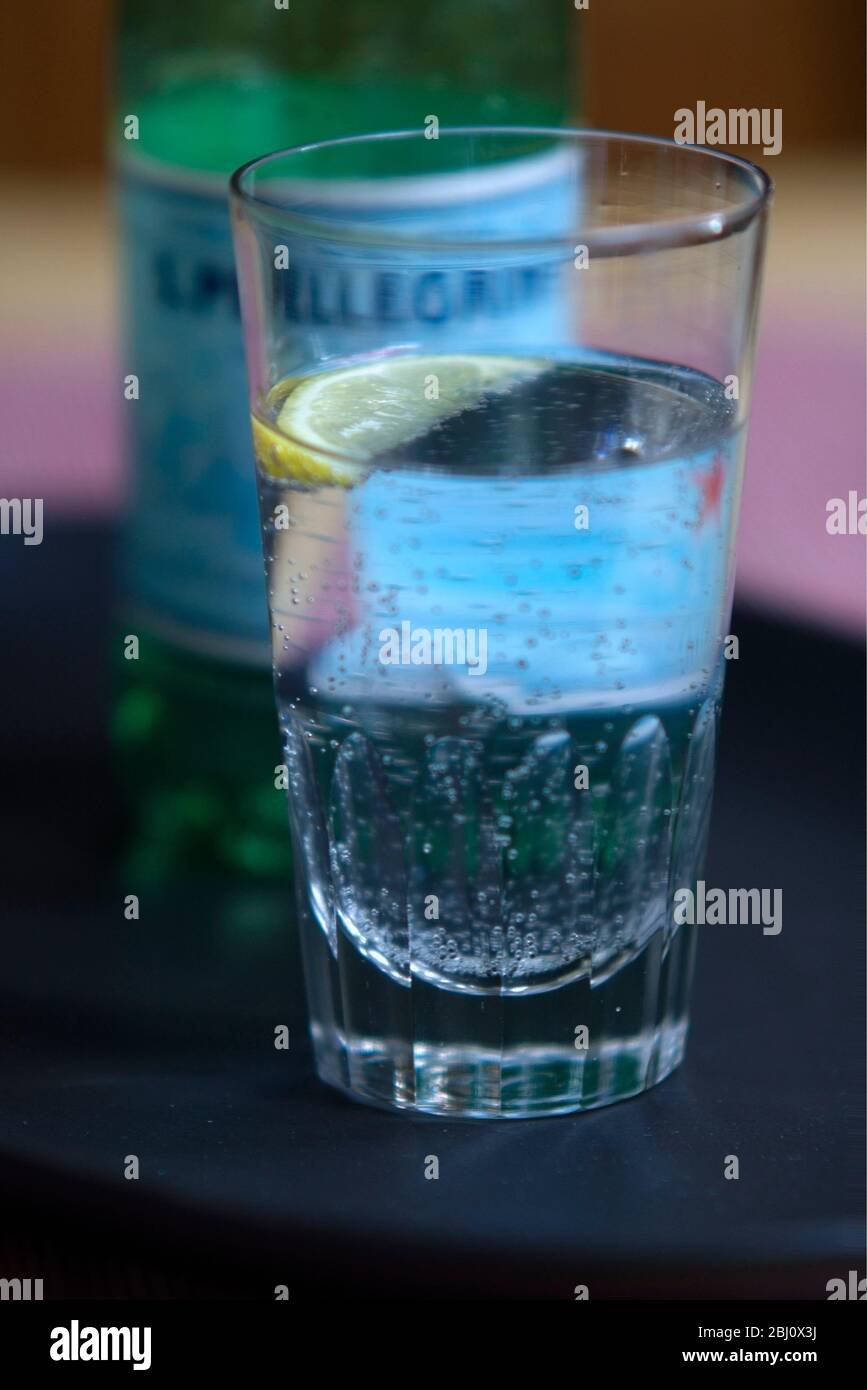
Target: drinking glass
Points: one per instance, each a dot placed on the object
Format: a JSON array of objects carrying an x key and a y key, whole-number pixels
[{"x": 499, "y": 384}]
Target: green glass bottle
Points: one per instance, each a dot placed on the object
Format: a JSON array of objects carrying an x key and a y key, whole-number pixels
[{"x": 201, "y": 88}]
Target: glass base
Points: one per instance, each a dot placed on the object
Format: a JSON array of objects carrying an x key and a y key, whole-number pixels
[{"x": 474, "y": 1084}]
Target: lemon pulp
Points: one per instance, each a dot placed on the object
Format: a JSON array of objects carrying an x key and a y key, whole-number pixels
[{"x": 325, "y": 429}]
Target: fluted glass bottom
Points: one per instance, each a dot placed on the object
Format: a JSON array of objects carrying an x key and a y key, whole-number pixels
[
  {"x": 520, "y": 1084},
  {"x": 502, "y": 964},
  {"x": 462, "y": 959},
  {"x": 576, "y": 1046}
]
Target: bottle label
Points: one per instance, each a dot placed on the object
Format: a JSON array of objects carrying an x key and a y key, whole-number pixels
[
  {"x": 193, "y": 551},
  {"x": 444, "y": 299}
]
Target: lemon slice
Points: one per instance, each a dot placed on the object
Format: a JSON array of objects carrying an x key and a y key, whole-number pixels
[
  {"x": 282, "y": 458},
  {"x": 359, "y": 412}
]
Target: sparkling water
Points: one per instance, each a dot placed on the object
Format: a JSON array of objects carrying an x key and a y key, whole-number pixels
[{"x": 498, "y": 661}]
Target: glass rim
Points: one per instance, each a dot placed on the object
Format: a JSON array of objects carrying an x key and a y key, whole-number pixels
[{"x": 627, "y": 238}]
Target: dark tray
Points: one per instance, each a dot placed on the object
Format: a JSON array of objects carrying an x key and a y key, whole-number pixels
[{"x": 156, "y": 1039}]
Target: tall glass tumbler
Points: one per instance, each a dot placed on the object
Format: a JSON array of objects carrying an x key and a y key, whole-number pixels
[{"x": 499, "y": 384}]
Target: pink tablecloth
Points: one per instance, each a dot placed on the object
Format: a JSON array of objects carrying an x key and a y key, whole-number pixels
[{"x": 806, "y": 445}]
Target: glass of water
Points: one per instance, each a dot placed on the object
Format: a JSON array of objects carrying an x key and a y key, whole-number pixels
[{"x": 499, "y": 389}]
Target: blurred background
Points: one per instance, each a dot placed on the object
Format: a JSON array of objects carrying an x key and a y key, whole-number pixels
[
  {"x": 633, "y": 66},
  {"x": 116, "y": 1021}
]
